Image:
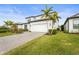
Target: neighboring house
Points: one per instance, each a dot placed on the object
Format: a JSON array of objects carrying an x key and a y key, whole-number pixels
[
  {"x": 22, "y": 25},
  {"x": 40, "y": 24},
  {"x": 71, "y": 25}
]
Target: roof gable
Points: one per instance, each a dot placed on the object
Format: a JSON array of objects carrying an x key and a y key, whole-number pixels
[
  {"x": 75, "y": 15},
  {"x": 72, "y": 17},
  {"x": 37, "y": 15}
]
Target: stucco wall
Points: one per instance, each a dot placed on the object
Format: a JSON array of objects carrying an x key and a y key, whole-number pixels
[
  {"x": 76, "y": 21},
  {"x": 41, "y": 26},
  {"x": 56, "y": 25},
  {"x": 69, "y": 26},
  {"x": 28, "y": 27},
  {"x": 36, "y": 18},
  {"x": 66, "y": 26},
  {"x": 21, "y": 26}
]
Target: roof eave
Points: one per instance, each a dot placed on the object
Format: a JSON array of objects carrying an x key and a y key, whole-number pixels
[{"x": 70, "y": 18}]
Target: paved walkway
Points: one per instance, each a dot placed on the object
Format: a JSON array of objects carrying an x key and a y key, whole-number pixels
[{"x": 9, "y": 42}]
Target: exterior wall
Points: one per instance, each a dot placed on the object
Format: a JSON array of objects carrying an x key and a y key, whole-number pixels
[
  {"x": 29, "y": 27},
  {"x": 66, "y": 26},
  {"x": 76, "y": 22},
  {"x": 49, "y": 22},
  {"x": 40, "y": 26},
  {"x": 21, "y": 26},
  {"x": 56, "y": 25},
  {"x": 25, "y": 26},
  {"x": 36, "y": 18},
  {"x": 70, "y": 26}
]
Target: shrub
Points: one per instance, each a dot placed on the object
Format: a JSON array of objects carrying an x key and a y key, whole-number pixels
[
  {"x": 25, "y": 29},
  {"x": 52, "y": 31},
  {"x": 58, "y": 29},
  {"x": 4, "y": 29},
  {"x": 20, "y": 30},
  {"x": 65, "y": 31},
  {"x": 62, "y": 27},
  {"x": 14, "y": 28}
]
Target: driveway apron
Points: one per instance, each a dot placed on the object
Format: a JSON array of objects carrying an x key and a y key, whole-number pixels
[{"x": 10, "y": 42}]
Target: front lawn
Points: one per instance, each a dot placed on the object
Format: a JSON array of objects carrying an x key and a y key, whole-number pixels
[
  {"x": 6, "y": 34},
  {"x": 58, "y": 44}
]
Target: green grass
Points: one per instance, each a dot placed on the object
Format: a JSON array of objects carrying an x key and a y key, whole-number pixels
[
  {"x": 6, "y": 34},
  {"x": 59, "y": 44}
]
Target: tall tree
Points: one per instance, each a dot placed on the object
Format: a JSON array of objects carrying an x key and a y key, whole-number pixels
[
  {"x": 8, "y": 23},
  {"x": 52, "y": 15},
  {"x": 46, "y": 11},
  {"x": 14, "y": 28}
]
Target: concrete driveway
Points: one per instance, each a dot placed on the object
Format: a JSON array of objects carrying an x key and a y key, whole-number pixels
[{"x": 9, "y": 42}]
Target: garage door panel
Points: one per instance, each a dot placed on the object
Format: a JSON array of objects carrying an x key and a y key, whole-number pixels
[{"x": 39, "y": 28}]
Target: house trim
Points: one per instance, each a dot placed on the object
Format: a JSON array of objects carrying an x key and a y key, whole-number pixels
[
  {"x": 68, "y": 26},
  {"x": 71, "y": 18},
  {"x": 21, "y": 23},
  {"x": 39, "y": 20},
  {"x": 37, "y": 15}
]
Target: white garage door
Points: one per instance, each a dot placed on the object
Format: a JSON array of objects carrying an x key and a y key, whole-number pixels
[{"x": 39, "y": 28}]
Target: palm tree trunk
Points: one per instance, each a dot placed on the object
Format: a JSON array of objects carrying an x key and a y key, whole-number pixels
[{"x": 52, "y": 25}]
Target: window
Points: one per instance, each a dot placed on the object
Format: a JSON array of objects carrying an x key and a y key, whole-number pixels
[
  {"x": 76, "y": 26},
  {"x": 76, "y": 23}
]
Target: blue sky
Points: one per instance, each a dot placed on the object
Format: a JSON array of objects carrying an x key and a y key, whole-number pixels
[{"x": 18, "y": 12}]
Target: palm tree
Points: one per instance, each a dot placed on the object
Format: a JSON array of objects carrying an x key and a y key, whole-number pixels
[
  {"x": 46, "y": 11},
  {"x": 52, "y": 15},
  {"x": 8, "y": 23},
  {"x": 14, "y": 28}
]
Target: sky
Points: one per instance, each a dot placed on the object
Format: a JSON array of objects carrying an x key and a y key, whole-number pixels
[{"x": 18, "y": 12}]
